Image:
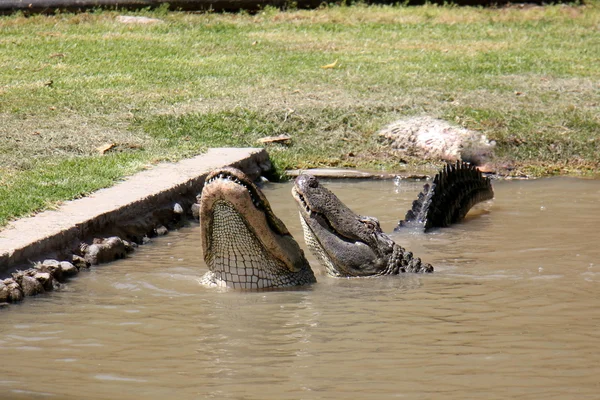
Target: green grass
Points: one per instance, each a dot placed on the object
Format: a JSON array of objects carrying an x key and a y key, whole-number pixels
[
  {"x": 69, "y": 83},
  {"x": 344, "y": 133},
  {"x": 43, "y": 186}
]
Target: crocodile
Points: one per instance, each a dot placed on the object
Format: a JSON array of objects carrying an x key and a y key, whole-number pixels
[
  {"x": 348, "y": 244},
  {"x": 351, "y": 245},
  {"x": 245, "y": 245}
]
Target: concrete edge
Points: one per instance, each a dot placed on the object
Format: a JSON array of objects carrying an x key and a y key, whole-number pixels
[{"x": 140, "y": 202}]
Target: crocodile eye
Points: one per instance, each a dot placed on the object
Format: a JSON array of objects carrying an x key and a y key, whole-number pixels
[
  {"x": 371, "y": 223},
  {"x": 313, "y": 182}
]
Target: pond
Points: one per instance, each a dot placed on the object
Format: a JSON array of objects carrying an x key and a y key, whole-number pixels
[{"x": 512, "y": 310}]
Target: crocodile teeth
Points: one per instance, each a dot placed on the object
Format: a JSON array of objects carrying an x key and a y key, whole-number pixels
[
  {"x": 306, "y": 207},
  {"x": 224, "y": 176}
]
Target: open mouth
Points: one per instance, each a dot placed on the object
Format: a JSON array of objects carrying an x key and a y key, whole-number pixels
[
  {"x": 303, "y": 202},
  {"x": 228, "y": 176},
  {"x": 245, "y": 244},
  {"x": 316, "y": 217}
]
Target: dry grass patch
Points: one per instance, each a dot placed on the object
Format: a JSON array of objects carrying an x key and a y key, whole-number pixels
[
  {"x": 430, "y": 14},
  {"x": 468, "y": 49},
  {"x": 348, "y": 45},
  {"x": 27, "y": 141}
]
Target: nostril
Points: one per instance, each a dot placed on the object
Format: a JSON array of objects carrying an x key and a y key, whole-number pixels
[{"x": 313, "y": 182}]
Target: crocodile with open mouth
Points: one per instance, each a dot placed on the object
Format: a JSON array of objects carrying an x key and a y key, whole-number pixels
[
  {"x": 351, "y": 245},
  {"x": 347, "y": 244},
  {"x": 245, "y": 245}
]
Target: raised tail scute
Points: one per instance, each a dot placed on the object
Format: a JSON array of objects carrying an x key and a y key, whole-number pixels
[{"x": 454, "y": 191}]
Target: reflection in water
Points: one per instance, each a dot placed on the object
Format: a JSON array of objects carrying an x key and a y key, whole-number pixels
[{"x": 511, "y": 311}]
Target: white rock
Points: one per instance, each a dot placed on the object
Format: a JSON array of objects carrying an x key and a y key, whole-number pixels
[{"x": 434, "y": 139}]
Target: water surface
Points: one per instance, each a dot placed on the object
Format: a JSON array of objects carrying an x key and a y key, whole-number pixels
[{"x": 512, "y": 311}]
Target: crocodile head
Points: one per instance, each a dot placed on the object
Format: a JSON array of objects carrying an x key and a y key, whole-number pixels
[
  {"x": 347, "y": 244},
  {"x": 245, "y": 245}
]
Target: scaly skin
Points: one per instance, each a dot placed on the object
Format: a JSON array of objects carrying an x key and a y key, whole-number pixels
[
  {"x": 455, "y": 189},
  {"x": 347, "y": 244},
  {"x": 245, "y": 245}
]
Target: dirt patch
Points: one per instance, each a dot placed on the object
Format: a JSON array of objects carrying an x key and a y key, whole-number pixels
[{"x": 26, "y": 139}]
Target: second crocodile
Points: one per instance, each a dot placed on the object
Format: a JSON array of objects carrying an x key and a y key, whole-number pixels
[{"x": 349, "y": 245}]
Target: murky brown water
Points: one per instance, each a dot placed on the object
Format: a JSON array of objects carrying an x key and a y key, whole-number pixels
[{"x": 512, "y": 311}]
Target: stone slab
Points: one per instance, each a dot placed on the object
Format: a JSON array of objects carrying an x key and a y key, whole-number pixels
[
  {"x": 340, "y": 173},
  {"x": 27, "y": 239}
]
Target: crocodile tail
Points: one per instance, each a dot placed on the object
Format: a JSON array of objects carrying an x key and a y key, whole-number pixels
[{"x": 455, "y": 189}]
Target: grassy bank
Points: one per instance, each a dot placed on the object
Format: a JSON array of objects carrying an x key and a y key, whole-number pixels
[{"x": 72, "y": 83}]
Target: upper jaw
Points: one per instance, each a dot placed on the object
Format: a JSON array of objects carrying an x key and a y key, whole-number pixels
[
  {"x": 301, "y": 201},
  {"x": 231, "y": 181},
  {"x": 316, "y": 203},
  {"x": 310, "y": 216},
  {"x": 345, "y": 253}
]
